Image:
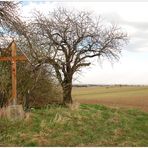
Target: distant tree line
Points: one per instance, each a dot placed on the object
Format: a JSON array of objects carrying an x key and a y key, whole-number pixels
[{"x": 108, "y": 85}]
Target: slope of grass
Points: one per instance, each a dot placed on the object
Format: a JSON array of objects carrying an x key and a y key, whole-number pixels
[{"x": 90, "y": 125}]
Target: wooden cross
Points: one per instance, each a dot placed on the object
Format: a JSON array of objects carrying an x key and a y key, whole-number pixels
[{"x": 14, "y": 58}]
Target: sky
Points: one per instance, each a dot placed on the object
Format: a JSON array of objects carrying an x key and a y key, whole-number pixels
[{"x": 132, "y": 17}]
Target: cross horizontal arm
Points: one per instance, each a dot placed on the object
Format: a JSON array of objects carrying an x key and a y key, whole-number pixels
[
  {"x": 18, "y": 58},
  {"x": 5, "y": 58}
]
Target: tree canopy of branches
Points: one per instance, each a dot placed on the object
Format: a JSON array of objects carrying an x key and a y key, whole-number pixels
[
  {"x": 8, "y": 16},
  {"x": 69, "y": 40}
]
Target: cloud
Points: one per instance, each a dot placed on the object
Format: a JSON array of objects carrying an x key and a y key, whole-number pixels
[
  {"x": 139, "y": 37},
  {"x": 132, "y": 17},
  {"x": 137, "y": 31},
  {"x": 29, "y": 7}
]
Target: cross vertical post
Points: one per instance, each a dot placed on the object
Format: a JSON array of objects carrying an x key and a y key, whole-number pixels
[{"x": 14, "y": 84}]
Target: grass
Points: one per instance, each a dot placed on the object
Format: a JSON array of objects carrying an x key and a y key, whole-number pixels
[{"x": 90, "y": 125}]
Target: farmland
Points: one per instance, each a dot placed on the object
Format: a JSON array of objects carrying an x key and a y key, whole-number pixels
[{"x": 125, "y": 96}]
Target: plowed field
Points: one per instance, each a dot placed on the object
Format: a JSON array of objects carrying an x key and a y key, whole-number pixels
[{"x": 129, "y": 96}]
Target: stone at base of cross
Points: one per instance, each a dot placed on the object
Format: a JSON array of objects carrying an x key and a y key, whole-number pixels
[{"x": 15, "y": 112}]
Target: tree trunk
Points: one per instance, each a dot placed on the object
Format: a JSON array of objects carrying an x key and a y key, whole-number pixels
[
  {"x": 67, "y": 89},
  {"x": 2, "y": 99},
  {"x": 26, "y": 100}
]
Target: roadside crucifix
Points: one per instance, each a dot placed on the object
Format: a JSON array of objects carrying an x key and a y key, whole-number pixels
[{"x": 13, "y": 59}]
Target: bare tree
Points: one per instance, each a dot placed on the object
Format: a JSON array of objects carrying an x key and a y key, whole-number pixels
[
  {"x": 8, "y": 15},
  {"x": 68, "y": 40}
]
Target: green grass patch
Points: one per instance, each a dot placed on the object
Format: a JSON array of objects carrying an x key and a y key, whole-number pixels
[{"x": 90, "y": 125}]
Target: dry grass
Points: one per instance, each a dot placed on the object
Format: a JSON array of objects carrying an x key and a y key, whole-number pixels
[
  {"x": 2, "y": 112},
  {"x": 74, "y": 106}
]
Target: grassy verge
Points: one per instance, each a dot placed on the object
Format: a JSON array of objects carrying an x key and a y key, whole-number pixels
[{"x": 91, "y": 125}]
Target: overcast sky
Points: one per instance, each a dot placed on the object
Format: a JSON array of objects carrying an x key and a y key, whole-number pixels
[{"x": 132, "y": 67}]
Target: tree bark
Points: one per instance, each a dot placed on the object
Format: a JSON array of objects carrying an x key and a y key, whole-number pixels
[
  {"x": 2, "y": 100},
  {"x": 67, "y": 89},
  {"x": 26, "y": 101}
]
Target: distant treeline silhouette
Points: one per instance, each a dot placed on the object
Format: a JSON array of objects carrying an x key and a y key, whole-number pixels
[{"x": 107, "y": 85}]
